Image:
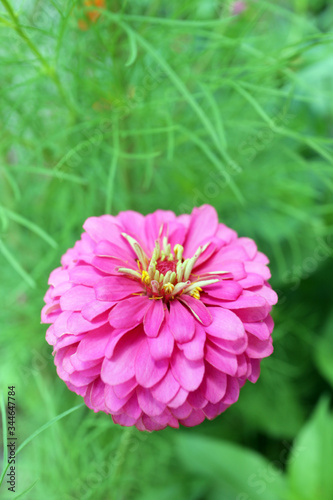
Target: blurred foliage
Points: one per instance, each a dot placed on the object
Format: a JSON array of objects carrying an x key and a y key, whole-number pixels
[{"x": 171, "y": 105}]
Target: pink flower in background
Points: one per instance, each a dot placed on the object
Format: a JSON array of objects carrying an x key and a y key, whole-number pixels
[
  {"x": 237, "y": 8},
  {"x": 159, "y": 320}
]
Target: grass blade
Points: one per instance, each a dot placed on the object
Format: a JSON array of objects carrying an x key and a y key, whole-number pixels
[
  {"x": 16, "y": 265},
  {"x": 39, "y": 431}
]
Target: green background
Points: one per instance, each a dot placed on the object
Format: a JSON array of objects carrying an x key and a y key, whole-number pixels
[{"x": 168, "y": 104}]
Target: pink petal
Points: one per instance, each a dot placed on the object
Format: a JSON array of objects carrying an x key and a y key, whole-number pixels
[
  {"x": 249, "y": 307},
  {"x": 195, "y": 418},
  {"x": 179, "y": 399},
  {"x": 81, "y": 391},
  {"x": 182, "y": 411},
  {"x": 117, "y": 334},
  {"x": 166, "y": 419},
  {"x": 197, "y": 398},
  {"x": 60, "y": 358},
  {"x": 242, "y": 366},
  {"x": 251, "y": 280},
  {"x": 226, "y": 290},
  {"x": 75, "y": 298},
  {"x": 113, "y": 403},
  {"x": 124, "y": 420},
  {"x": 220, "y": 359},
  {"x": 262, "y": 258},
  {"x": 165, "y": 390},
  {"x": 115, "y": 288},
  {"x": 120, "y": 368},
  {"x": 67, "y": 340},
  {"x": 184, "y": 219},
  {"x": 161, "y": 347},
  {"x": 148, "y": 371},
  {"x": 237, "y": 346},
  {"x": 81, "y": 366},
  {"x": 213, "y": 410},
  {"x": 66, "y": 364},
  {"x": 110, "y": 265},
  {"x": 255, "y": 370},
  {"x": 232, "y": 392},
  {"x": 215, "y": 384},
  {"x": 262, "y": 329},
  {"x": 133, "y": 224},
  {"x": 249, "y": 246},
  {"x": 153, "y": 318},
  {"x": 79, "y": 380},
  {"x": 203, "y": 225},
  {"x": 94, "y": 308},
  {"x": 181, "y": 322},
  {"x": 267, "y": 293},
  {"x": 107, "y": 249},
  {"x": 58, "y": 276},
  {"x": 187, "y": 372},
  {"x": 84, "y": 275},
  {"x": 93, "y": 346},
  {"x": 257, "y": 268},
  {"x": 130, "y": 312},
  {"x": 153, "y": 223},
  {"x": 225, "y": 233},
  {"x": 132, "y": 408},
  {"x": 197, "y": 308},
  {"x": 225, "y": 325},
  {"x": 94, "y": 397},
  {"x": 104, "y": 228},
  {"x": 124, "y": 389},
  {"x": 50, "y": 312},
  {"x": 60, "y": 289},
  {"x": 235, "y": 267},
  {"x": 259, "y": 348},
  {"x": 77, "y": 324},
  {"x": 149, "y": 424},
  {"x": 148, "y": 403},
  {"x": 215, "y": 244},
  {"x": 50, "y": 336},
  {"x": 233, "y": 251},
  {"x": 177, "y": 233},
  {"x": 194, "y": 349},
  {"x": 92, "y": 372}
]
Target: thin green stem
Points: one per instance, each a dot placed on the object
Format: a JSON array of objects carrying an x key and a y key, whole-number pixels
[
  {"x": 113, "y": 168},
  {"x": 25, "y": 37},
  {"x": 181, "y": 87},
  {"x": 120, "y": 458},
  {"x": 49, "y": 70}
]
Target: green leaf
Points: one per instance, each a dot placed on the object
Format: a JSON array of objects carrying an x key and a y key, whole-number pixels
[
  {"x": 324, "y": 352},
  {"x": 310, "y": 463},
  {"x": 233, "y": 471},
  {"x": 283, "y": 414}
]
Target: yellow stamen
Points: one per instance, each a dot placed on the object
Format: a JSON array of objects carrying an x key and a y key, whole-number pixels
[
  {"x": 196, "y": 292},
  {"x": 178, "y": 251},
  {"x": 168, "y": 287},
  {"x": 145, "y": 278}
]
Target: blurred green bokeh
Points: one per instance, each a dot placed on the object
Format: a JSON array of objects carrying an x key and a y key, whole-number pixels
[{"x": 166, "y": 104}]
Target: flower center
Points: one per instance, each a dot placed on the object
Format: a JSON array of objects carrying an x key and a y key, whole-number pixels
[
  {"x": 166, "y": 274},
  {"x": 163, "y": 266}
]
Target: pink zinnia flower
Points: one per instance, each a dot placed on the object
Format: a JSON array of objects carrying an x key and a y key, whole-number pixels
[
  {"x": 237, "y": 8},
  {"x": 159, "y": 320}
]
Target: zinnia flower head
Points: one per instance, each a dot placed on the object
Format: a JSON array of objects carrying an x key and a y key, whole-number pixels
[{"x": 159, "y": 320}]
